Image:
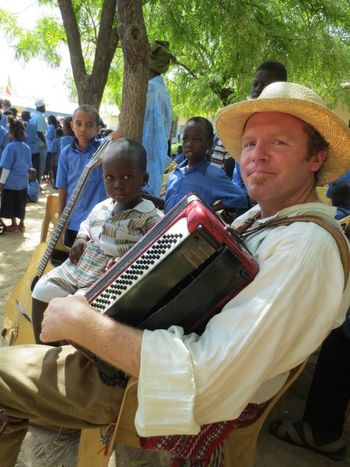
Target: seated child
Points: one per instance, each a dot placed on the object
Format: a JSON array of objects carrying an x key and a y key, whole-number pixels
[
  {"x": 341, "y": 199},
  {"x": 110, "y": 230},
  {"x": 33, "y": 189},
  {"x": 198, "y": 175}
]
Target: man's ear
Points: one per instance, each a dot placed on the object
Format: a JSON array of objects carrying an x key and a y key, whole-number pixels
[{"x": 317, "y": 160}]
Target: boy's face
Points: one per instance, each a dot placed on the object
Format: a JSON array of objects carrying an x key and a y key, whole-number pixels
[
  {"x": 85, "y": 127},
  {"x": 195, "y": 143},
  {"x": 123, "y": 180}
]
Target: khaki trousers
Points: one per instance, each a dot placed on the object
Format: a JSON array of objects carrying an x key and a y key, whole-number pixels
[{"x": 54, "y": 384}]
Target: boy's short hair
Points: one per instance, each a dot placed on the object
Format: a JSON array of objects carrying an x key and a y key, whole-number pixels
[
  {"x": 89, "y": 109},
  {"x": 130, "y": 148},
  {"x": 205, "y": 123},
  {"x": 276, "y": 69}
]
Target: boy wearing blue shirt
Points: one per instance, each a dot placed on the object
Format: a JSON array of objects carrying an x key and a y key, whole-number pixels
[
  {"x": 198, "y": 176},
  {"x": 72, "y": 161}
]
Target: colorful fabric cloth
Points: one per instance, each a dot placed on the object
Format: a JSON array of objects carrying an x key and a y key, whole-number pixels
[{"x": 198, "y": 450}]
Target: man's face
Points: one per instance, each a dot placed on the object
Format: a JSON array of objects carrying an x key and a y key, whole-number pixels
[
  {"x": 261, "y": 80},
  {"x": 276, "y": 166}
]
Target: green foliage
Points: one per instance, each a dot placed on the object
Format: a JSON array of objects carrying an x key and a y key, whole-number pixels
[{"x": 219, "y": 44}]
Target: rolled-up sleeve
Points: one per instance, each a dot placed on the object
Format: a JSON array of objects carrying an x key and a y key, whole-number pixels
[{"x": 268, "y": 328}]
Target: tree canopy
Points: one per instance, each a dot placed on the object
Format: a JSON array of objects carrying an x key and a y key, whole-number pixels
[{"x": 219, "y": 44}]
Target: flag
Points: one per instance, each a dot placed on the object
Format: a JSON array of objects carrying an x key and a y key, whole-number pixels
[{"x": 8, "y": 89}]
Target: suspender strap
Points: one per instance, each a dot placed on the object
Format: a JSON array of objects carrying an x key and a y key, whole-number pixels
[{"x": 342, "y": 242}]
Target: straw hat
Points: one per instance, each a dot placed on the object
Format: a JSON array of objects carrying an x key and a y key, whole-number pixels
[{"x": 293, "y": 99}]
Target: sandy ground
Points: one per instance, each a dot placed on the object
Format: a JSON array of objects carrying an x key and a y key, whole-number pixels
[{"x": 43, "y": 448}]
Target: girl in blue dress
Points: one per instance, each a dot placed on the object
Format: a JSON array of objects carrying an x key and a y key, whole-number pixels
[{"x": 15, "y": 162}]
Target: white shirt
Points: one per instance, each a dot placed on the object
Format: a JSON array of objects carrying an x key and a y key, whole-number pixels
[{"x": 247, "y": 349}]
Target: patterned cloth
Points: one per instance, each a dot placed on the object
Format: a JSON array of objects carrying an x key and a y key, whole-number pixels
[
  {"x": 202, "y": 450},
  {"x": 111, "y": 236}
]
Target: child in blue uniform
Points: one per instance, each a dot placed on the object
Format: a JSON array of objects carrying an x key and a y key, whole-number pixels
[
  {"x": 198, "y": 176},
  {"x": 72, "y": 161},
  {"x": 15, "y": 162},
  {"x": 32, "y": 139}
]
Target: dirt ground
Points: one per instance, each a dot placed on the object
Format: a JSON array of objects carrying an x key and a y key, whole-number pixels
[{"x": 43, "y": 448}]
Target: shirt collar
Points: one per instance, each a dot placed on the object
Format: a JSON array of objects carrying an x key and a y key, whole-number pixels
[{"x": 144, "y": 206}]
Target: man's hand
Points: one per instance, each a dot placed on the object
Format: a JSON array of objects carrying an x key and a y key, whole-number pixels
[
  {"x": 62, "y": 318},
  {"x": 77, "y": 249}
]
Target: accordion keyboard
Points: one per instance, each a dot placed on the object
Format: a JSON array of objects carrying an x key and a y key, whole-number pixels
[{"x": 156, "y": 253}]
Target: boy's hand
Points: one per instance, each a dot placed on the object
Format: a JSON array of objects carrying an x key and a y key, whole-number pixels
[{"x": 77, "y": 249}]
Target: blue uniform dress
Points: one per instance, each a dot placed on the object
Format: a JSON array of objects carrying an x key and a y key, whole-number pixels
[
  {"x": 210, "y": 183},
  {"x": 17, "y": 158},
  {"x": 70, "y": 167},
  {"x": 156, "y": 133}
]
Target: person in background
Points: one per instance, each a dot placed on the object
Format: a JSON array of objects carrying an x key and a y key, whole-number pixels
[
  {"x": 38, "y": 119},
  {"x": 267, "y": 73},
  {"x": 158, "y": 116},
  {"x": 56, "y": 150},
  {"x": 179, "y": 155},
  {"x": 68, "y": 133},
  {"x": 32, "y": 139},
  {"x": 33, "y": 189},
  {"x": 71, "y": 164},
  {"x": 341, "y": 199},
  {"x": 15, "y": 162},
  {"x": 4, "y": 136},
  {"x": 52, "y": 124},
  {"x": 197, "y": 175},
  {"x": 110, "y": 230}
]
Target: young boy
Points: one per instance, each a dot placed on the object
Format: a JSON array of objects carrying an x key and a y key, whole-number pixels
[
  {"x": 341, "y": 199},
  {"x": 111, "y": 229},
  {"x": 197, "y": 175},
  {"x": 72, "y": 161}
]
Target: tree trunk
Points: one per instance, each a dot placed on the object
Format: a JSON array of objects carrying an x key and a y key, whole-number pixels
[
  {"x": 90, "y": 87},
  {"x": 136, "y": 68}
]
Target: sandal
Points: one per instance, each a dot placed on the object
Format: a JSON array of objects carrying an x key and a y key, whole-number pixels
[
  {"x": 21, "y": 228},
  {"x": 299, "y": 433}
]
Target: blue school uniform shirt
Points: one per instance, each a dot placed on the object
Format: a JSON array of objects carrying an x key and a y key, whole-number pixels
[
  {"x": 50, "y": 136},
  {"x": 18, "y": 159},
  {"x": 210, "y": 183},
  {"x": 56, "y": 149},
  {"x": 4, "y": 138},
  {"x": 33, "y": 190},
  {"x": 32, "y": 138},
  {"x": 70, "y": 167},
  {"x": 66, "y": 140},
  {"x": 237, "y": 178},
  {"x": 156, "y": 132}
]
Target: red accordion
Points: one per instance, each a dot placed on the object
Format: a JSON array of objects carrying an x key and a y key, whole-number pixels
[{"x": 181, "y": 272}]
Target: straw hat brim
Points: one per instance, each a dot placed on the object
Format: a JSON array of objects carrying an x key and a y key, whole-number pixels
[{"x": 230, "y": 122}]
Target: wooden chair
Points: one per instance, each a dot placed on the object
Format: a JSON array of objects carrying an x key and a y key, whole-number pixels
[
  {"x": 51, "y": 216},
  {"x": 239, "y": 446}
]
